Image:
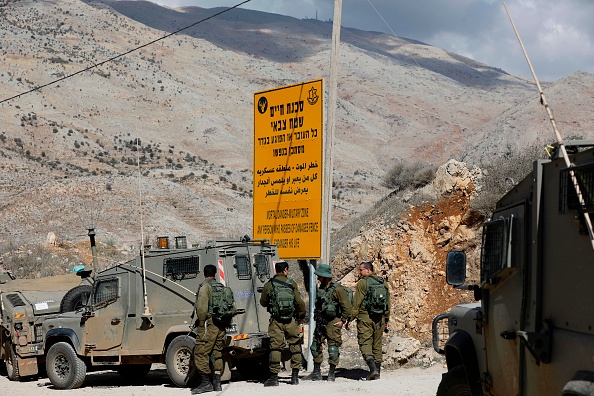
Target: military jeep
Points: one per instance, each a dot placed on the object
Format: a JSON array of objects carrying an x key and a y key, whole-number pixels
[
  {"x": 140, "y": 313},
  {"x": 533, "y": 331}
]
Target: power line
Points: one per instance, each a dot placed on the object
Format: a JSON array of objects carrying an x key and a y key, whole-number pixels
[
  {"x": 389, "y": 27},
  {"x": 122, "y": 54}
]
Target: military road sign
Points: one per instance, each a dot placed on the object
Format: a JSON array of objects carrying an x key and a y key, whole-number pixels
[{"x": 288, "y": 152}]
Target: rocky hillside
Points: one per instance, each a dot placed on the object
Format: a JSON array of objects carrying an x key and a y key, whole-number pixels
[{"x": 182, "y": 108}]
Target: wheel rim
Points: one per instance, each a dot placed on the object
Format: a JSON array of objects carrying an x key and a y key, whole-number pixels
[
  {"x": 62, "y": 366},
  {"x": 182, "y": 361}
]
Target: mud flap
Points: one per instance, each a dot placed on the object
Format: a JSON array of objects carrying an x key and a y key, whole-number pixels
[{"x": 28, "y": 366}]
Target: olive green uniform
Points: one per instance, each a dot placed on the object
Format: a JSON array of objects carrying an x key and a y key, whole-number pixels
[
  {"x": 210, "y": 336},
  {"x": 279, "y": 330},
  {"x": 326, "y": 328},
  {"x": 369, "y": 327}
]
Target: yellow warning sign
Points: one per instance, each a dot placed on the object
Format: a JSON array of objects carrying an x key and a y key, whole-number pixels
[{"x": 288, "y": 152}]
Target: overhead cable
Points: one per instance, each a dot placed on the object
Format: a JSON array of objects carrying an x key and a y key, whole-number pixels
[
  {"x": 389, "y": 27},
  {"x": 122, "y": 54}
]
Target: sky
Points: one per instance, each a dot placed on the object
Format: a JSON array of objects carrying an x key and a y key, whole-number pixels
[{"x": 558, "y": 34}]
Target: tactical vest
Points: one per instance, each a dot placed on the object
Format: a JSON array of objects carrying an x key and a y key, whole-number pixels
[{"x": 328, "y": 308}]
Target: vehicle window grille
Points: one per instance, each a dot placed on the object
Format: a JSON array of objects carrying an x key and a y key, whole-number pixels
[
  {"x": 495, "y": 249},
  {"x": 106, "y": 290},
  {"x": 179, "y": 268},
  {"x": 242, "y": 265},
  {"x": 15, "y": 300},
  {"x": 568, "y": 199},
  {"x": 262, "y": 265},
  {"x": 38, "y": 333}
]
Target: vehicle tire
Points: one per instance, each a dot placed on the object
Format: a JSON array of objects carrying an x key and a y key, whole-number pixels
[
  {"x": 64, "y": 368},
  {"x": 454, "y": 383},
  {"x": 179, "y": 360},
  {"x": 133, "y": 372},
  {"x": 75, "y": 298},
  {"x": 11, "y": 362}
]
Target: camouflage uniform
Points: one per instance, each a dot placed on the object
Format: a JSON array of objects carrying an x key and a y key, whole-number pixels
[
  {"x": 279, "y": 331},
  {"x": 326, "y": 328},
  {"x": 210, "y": 336},
  {"x": 369, "y": 327}
]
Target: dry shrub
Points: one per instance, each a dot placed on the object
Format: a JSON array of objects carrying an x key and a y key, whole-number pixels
[{"x": 408, "y": 175}]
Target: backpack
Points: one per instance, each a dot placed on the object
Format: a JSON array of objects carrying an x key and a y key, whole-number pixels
[
  {"x": 376, "y": 296},
  {"x": 282, "y": 300},
  {"x": 328, "y": 308},
  {"x": 221, "y": 303}
]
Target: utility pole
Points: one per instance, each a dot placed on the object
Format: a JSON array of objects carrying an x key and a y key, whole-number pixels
[
  {"x": 328, "y": 169},
  {"x": 329, "y": 135}
]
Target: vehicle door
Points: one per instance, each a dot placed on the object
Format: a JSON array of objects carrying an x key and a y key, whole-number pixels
[
  {"x": 502, "y": 262},
  {"x": 246, "y": 271},
  {"x": 105, "y": 329}
]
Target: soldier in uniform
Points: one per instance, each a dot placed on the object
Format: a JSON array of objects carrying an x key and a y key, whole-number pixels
[
  {"x": 210, "y": 337},
  {"x": 333, "y": 310},
  {"x": 370, "y": 326},
  {"x": 281, "y": 326}
]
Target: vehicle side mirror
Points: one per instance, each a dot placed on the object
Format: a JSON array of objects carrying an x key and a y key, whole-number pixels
[{"x": 456, "y": 268}]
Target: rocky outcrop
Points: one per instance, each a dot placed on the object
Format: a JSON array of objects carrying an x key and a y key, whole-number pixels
[{"x": 410, "y": 252}]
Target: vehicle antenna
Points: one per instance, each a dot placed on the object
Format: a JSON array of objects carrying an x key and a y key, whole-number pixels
[
  {"x": 147, "y": 311},
  {"x": 543, "y": 101}
]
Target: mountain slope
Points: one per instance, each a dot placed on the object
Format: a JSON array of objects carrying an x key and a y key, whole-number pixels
[{"x": 183, "y": 107}]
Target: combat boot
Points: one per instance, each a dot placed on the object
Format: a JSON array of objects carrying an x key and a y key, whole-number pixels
[
  {"x": 373, "y": 373},
  {"x": 205, "y": 385},
  {"x": 216, "y": 381},
  {"x": 295, "y": 376},
  {"x": 316, "y": 374},
  {"x": 379, "y": 369},
  {"x": 272, "y": 380},
  {"x": 331, "y": 375}
]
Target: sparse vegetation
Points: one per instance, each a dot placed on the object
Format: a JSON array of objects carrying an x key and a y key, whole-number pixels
[
  {"x": 502, "y": 173},
  {"x": 406, "y": 175}
]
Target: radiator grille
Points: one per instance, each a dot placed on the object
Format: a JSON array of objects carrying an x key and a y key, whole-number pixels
[{"x": 15, "y": 300}]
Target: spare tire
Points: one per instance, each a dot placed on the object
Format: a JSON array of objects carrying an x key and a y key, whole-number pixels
[{"x": 75, "y": 298}]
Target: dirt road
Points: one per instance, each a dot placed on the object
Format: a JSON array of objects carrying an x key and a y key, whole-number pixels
[{"x": 403, "y": 382}]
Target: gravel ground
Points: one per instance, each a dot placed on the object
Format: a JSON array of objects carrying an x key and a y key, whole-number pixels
[{"x": 414, "y": 381}]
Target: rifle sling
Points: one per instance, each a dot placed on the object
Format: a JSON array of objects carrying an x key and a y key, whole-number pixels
[{"x": 280, "y": 282}]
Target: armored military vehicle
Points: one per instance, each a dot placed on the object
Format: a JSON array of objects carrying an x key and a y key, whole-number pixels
[
  {"x": 533, "y": 331},
  {"x": 24, "y": 305},
  {"x": 140, "y": 313}
]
